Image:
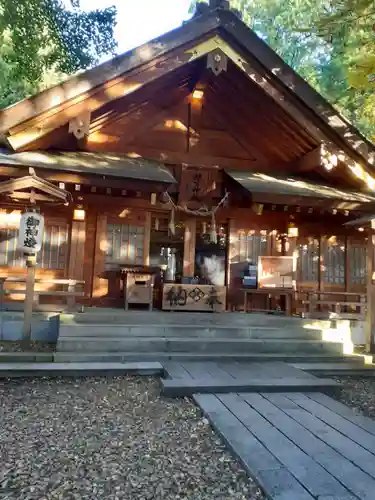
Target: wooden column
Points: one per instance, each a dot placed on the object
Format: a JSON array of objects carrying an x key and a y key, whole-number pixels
[
  {"x": 100, "y": 285},
  {"x": 189, "y": 247},
  {"x": 77, "y": 250},
  {"x": 347, "y": 264},
  {"x": 233, "y": 259},
  {"x": 322, "y": 248},
  {"x": 89, "y": 252},
  {"x": 29, "y": 299},
  {"x": 370, "y": 315},
  {"x": 146, "y": 244}
]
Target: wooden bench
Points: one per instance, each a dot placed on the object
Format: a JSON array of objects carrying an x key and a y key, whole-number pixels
[
  {"x": 70, "y": 293},
  {"x": 314, "y": 303}
]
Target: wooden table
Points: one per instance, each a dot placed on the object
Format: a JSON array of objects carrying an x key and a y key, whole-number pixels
[{"x": 269, "y": 293}]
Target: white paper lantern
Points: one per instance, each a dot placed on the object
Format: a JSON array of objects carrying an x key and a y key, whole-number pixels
[{"x": 30, "y": 236}]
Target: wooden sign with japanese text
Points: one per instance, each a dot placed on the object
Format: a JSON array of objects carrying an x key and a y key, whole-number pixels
[{"x": 208, "y": 298}]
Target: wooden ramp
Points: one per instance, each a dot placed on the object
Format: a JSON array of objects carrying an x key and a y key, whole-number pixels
[{"x": 297, "y": 446}]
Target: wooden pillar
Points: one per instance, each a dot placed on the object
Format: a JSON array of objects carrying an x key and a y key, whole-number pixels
[
  {"x": 89, "y": 252},
  {"x": 233, "y": 259},
  {"x": 189, "y": 247},
  {"x": 146, "y": 244},
  {"x": 100, "y": 285},
  {"x": 322, "y": 249},
  {"x": 77, "y": 250},
  {"x": 347, "y": 264},
  {"x": 29, "y": 299},
  {"x": 370, "y": 315}
]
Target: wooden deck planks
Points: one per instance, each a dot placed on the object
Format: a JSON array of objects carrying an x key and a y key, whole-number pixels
[
  {"x": 337, "y": 422},
  {"x": 259, "y": 462},
  {"x": 303, "y": 467},
  {"x": 353, "y": 478},
  {"x": 176, "y": 370},
  {"x": 211, "y": 385},
  {"x": 361, "y": 457},
  {"x": 364, "y": 422},
  {"x": 297, "y": 446}
]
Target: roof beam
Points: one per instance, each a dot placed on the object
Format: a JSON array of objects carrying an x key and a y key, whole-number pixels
[
  {"x": 82, "y": 86},
  {"x": 20, "y": 136},
  {"x": 296, "y": 84},
  {"x": 259, "y": 76}
]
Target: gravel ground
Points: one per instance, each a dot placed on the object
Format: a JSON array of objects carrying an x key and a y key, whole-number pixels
[
  {"x": 8, "y": 346},
  {"x": 358, "y": 393},
  {"x": 109, "y": 439}
]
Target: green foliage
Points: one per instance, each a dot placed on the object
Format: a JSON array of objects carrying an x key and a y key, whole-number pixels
[
  {"x": 330, "y": 44},
  {"x": 351, "y": 24},
  {"x": 41, "y": 40}
]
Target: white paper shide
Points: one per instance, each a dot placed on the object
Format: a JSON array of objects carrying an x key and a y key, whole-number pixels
[{"x": 30, "y": 235}]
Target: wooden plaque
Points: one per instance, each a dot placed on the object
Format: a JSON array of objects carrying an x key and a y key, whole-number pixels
[{"x": 205, "y": 298}]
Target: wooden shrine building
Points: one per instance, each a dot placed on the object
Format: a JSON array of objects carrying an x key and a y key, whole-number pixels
[{"x": 189, "y": 158}]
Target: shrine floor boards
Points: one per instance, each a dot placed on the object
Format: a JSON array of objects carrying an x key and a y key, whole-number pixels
[{"x": 298, "y": 445}]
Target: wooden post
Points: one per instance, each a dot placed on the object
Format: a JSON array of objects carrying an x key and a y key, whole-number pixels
[
  {"x": 347, "y": 264},
  {"x": 77, "y": 250},
  {"x": 2, "y": 294},
  {"x": 322, "y": 249},
  {"x": 100, "y": 285},
  {"x": 189, "y": 247},
  {"x": 29, "y": 298},
  {"x": 370, "y": 315},
  {"x": 146, "y": 244}
]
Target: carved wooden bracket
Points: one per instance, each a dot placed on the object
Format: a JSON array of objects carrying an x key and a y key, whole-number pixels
[
  {"x": 217, "y": 61},
  {"x": 80, "y": 125}
]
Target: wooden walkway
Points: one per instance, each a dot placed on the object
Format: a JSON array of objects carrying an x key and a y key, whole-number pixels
[
  {"x": 297, "y": 446},
  {"x": 186, "y": 378}
]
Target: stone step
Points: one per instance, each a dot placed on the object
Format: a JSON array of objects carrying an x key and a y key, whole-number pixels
[
  {"x": 84, "y": 357},
  {"x": 13, "y": 370},
  {"x": 118, "y": 316},
  {"x": 192, "y": 331},
  {"x": 189, "y": 387},
  {"x": 195, "y": 345}
]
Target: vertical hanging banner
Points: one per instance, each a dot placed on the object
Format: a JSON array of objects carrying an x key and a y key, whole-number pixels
[{"x": 30, "y": 235}]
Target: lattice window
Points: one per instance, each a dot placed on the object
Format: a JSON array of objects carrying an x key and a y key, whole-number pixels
[
  {"x": 357, "y": 263},
  {"x": 125, "y": 244},
  {"x": 251, "y": 245},
  {"x": 53, "y": 254},
  {"x": 334, "y": 261},
  {"x": 308, "y": 260}
]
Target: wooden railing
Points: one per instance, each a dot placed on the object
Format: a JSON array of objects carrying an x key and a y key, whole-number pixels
[
  {"x": 69, "y": 292},
  {"x": 340, "y": 305}
]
